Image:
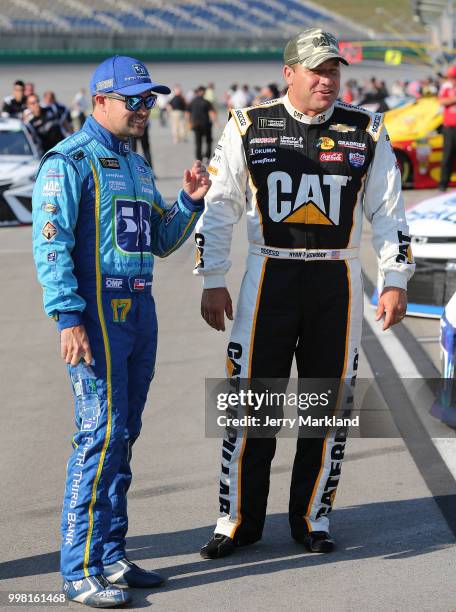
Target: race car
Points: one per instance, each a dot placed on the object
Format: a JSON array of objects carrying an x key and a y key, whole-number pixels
[
  {"x": 19, "y": 161},
  {"x": 415, "y": 131},
  {"x": 432, "y": 226}
]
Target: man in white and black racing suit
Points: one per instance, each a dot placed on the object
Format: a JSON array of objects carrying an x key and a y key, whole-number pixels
[{"x": 310, "y": 166}]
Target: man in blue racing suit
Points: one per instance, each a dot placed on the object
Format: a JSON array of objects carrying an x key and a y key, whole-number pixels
[{"x": 98, "y": 221}]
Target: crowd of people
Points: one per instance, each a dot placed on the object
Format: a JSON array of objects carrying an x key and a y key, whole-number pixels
[{"x": 48, "y": 120}]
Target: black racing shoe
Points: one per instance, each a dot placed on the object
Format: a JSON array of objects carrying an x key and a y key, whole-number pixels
[
  {"x": 220, "y": 546},
  {"x": 316, "y": 541},
  {"x": 96, "y": 592},
  {"x": 124, "y": 574}
]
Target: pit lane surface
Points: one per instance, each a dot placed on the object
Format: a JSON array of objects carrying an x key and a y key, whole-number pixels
[{"x": 395, "y": 546}]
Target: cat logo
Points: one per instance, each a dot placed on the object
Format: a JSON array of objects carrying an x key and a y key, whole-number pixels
[
  {"x": 234, "y": 354},
  {"x": 309, "y": 206},
  {"x": 325, "y": 143}
]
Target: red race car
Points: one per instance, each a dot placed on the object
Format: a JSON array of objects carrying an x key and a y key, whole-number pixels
[{"x": 415, "y": 133}]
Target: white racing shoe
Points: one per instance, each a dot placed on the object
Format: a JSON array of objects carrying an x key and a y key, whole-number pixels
[{"x": 95, "y": 591}]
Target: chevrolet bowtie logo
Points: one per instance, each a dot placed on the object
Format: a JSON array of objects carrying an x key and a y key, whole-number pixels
[{"x": 342, "y": 127}]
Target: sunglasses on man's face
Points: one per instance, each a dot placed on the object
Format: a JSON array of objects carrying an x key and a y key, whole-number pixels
[{"x": 134, "y": 103}]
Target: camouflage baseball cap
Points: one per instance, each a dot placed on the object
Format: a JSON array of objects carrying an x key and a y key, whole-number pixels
[{"x": 311, "y": 48}]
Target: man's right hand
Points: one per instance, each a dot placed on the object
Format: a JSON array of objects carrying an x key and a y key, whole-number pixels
[
  {"x": 74, "y": 344},
  {"x": 214, "y": 304}
]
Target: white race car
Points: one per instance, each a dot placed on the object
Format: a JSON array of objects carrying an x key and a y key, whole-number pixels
[
  {"x": 448, "y": 339},
  {"x": 19, "y": 161},
  {"x": 432, "y": 226},
  {"x": 444, "y": 407}
]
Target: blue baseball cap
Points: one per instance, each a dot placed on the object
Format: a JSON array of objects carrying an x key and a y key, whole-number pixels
[{"x": 123, "y": 75}]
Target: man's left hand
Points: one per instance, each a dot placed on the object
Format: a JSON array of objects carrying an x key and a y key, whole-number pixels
[
  {"x": 392, "y": 304},
  {"x": 196, "y": 181}
]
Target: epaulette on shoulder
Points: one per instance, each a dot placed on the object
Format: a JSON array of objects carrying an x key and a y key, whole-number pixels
[
  {"x": 241, "y": 115},
  {"x": 241, "y": 119},
  {"x": 69, "y": 147},
  {"x": 352, "y": 107},
  {"x": 375, "y": 125},
  {"x": 73, "y": 144}
]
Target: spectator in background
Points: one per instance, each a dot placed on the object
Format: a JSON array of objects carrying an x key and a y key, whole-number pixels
[
  {"x": 429, "y": 87},
  {"x": 29, "y": 89},
  {"x": 145, "y": 145},
  {"x": 60, "y": 110},
  {"x": 398, "y": 89},
  {"x": 43, "y": 124},
  {"x": 162, "y": 105},
  {"x": 229, "y": 93},
  {"x": 414, "y": 88},
  {"x": 201, "y": 115},
  {"x": 176, "y": 108},
  {"x": 347, "y": 95},
  {"x": 270, "y": 92},
  {"x": 447, "y": 97},
  {"x": 209, "y": 95},
  {"x": 14, "y": 105},
  {"x": 241, "y": 97},
  {"x": 79, "y": 107},
  {"x": 189, "y": 96}
]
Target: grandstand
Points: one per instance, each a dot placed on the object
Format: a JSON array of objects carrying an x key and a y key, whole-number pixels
[{"x": 155, "y": 23}]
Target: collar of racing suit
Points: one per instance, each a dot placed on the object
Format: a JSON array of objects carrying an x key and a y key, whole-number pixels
[
  {"x": 107, "y": 138},
  {"x": 296, "y": 114}
]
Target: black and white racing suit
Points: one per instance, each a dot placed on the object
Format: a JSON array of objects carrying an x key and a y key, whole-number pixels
[{"x": 304, "y": 182}]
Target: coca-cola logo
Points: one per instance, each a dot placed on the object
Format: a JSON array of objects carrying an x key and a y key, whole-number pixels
[{"x": 334, "y": 156}]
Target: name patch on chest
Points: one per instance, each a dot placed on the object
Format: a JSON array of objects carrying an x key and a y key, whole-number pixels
[{"x": 109, "y": 162}]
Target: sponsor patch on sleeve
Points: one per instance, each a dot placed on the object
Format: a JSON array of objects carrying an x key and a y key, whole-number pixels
[
  {"x": 375, "y": 126},
  {"x": 172, "y": 212},
  {"x": 52, "y": 256},
  {"x": 49, "y": 207},
  {"x": 49, "y": 231}
]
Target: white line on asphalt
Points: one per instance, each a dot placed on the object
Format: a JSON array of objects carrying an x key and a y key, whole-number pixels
[
  {"x": 446, "y": 448},
  {"x": 399, "y": 357},
  {"x": 405, "y": 368}
]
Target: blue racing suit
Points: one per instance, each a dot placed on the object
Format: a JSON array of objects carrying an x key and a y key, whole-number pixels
[{"x": 98, "y": 219}]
